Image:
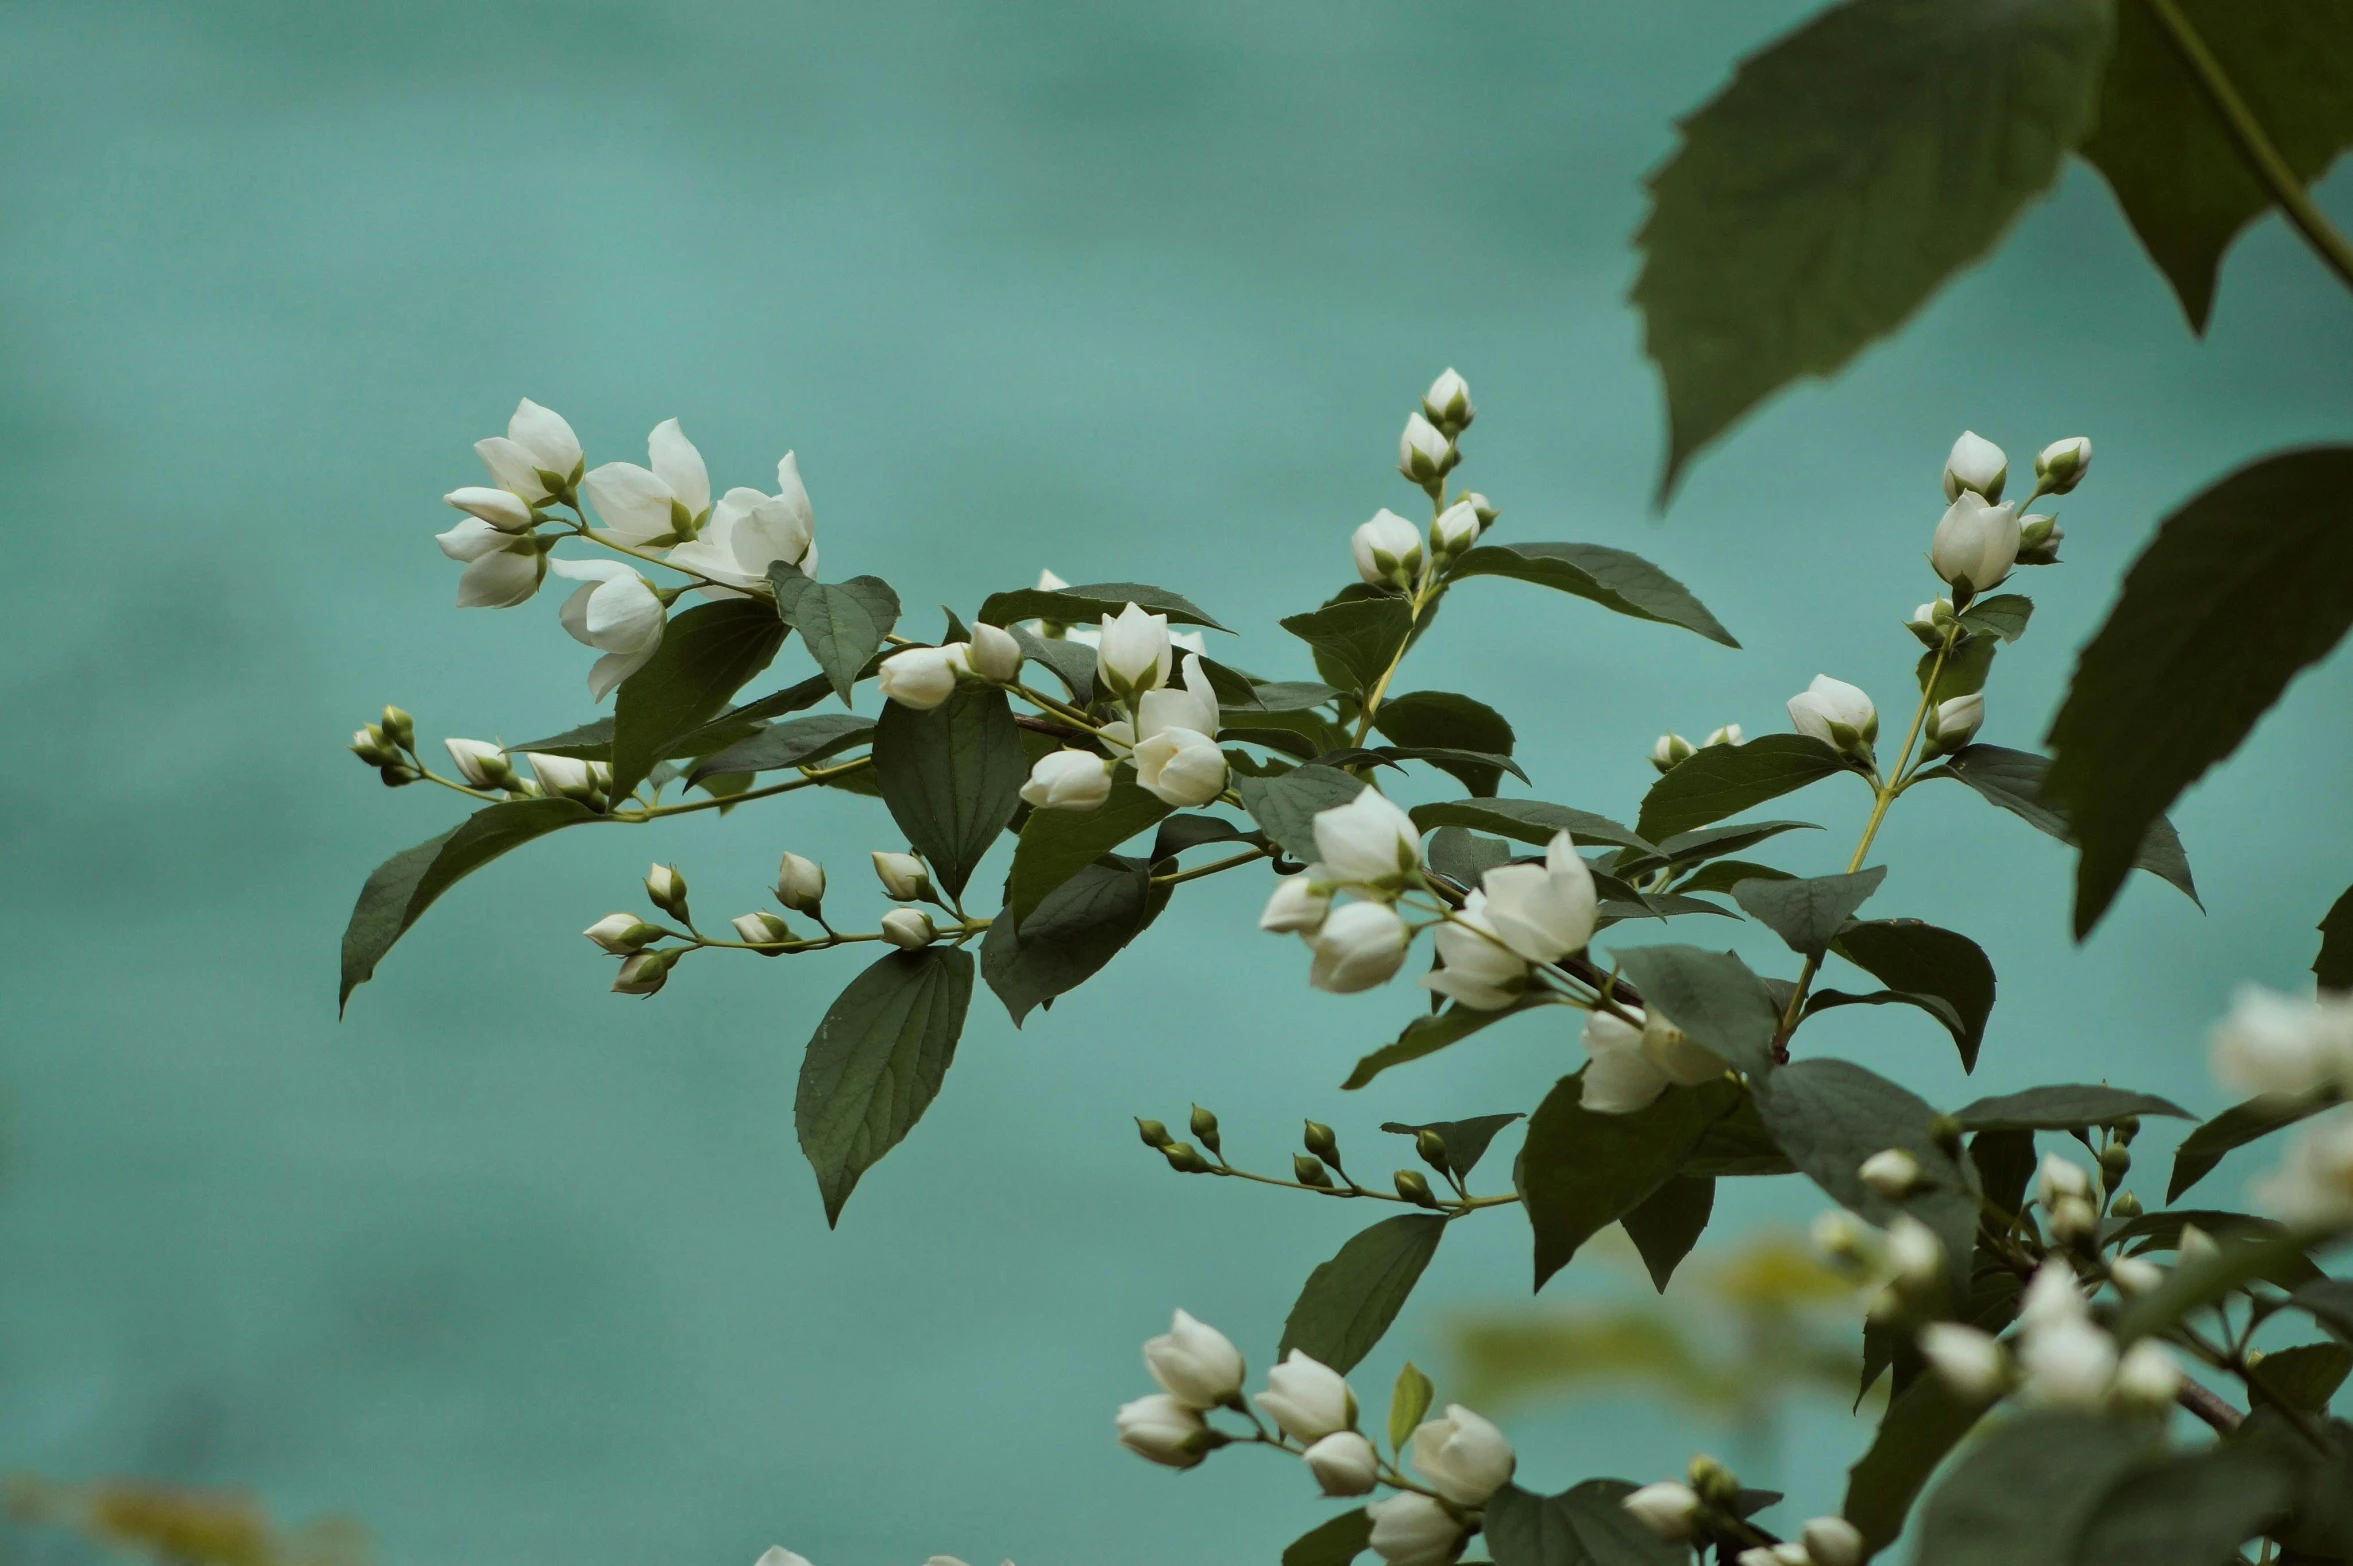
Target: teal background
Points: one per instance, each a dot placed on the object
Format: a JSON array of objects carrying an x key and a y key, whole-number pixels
[{"x": 518, "y": 1271}]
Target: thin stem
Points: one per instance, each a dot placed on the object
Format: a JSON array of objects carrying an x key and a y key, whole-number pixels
[
  {"x": 808, "y": 778},
  {"x": 1452, "y": 1208},
  {"x": 1425, "y": 593},
  {"x": 1195, "y": 874},
  {"x": 2262, "y": 157}
]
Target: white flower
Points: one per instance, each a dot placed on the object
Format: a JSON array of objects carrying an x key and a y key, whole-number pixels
[
  {"x": 1189, "y": 705},
  {"x": 661, "y": 506},
  {"x": 616, "y": 613},
  {"x": 481, "y": 765},
  {"x": 1970, "y": 1362},
  {"x": 2314, "y": 1184},
  {"x": 538, "y": 457},
  {"x": 995, "y": 655},
  {"x": 1308, "y": 1399},
  {"x": 2058, "y": 1179},
  {"x": 2074, "y": 1218},
  {"x": 1344, "y": 1463},
  {"x": 622, "y": 933},
  {"x": 748, "y": 532},
  {"x": 1447, "y": 403},
  {"x": 665, "y": 886},
  {"x": 1195, "y": 1363},
  {"x": 2052, "y": 1297},
  {"x": 561, "y": 775},
  {"x": 902, "y": 876},
  {"x": 1838, "y": 1235},
  {"x": 1953, "y": 723},
  {"x": 1975, "y": 464},
  {"x": 1829, "y": 709},
  {"x": 800, "y": 883},
  {"x": 923, "y": 677},
  {"x": 1388, "y": 550},
  {"x": 778, "y": 1555},
  {"x": 1619, "y": 1077},
  {"x": 1133, "y": 653},
  {"x": 1464, "y": 1458},
  {"x": 2135, "y": 1274},
  {"x": 2061, "y": 465},
  {"x": 1360, "y": 945},
  {"x": 1668, "y": 1509},
  {"x": 1543, "y": 912},
  {"x": 1671, "y": 750},
  {"x": 1162, "y": 1430},
  {"x": 1914, "y": 1255},
  {"x": 1833, "y": 1541},
  {"x": 501, "y": 570},
  {"x": 2273, "y": 1043},
  {"x": 1892, "y": 1172},
  {"x": 1413, "y": 1530},
  {"x": 1975, "y": 544},
  {"x": 1297, "y": 905},
  {"x": 1068, "y": 780},
  {"x": 1456, "y": 530},
  {"x": 1367, "y": 842},
  {"x": 908, "y": 928},
  {"x": 2068, "y": 1363},
  {"x": 494, "y": 506},
  {"x": 1478, "y": 969},
  {"x": 2147, "y": 1377},
  {"x": 1729, "y": 734},
  {"x": 1423, "y": 454},
  {"x": 760, "y": 929},
  {"x": 1180, "y": 767}
]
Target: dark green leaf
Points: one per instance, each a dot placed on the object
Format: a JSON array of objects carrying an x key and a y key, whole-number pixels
[
  {"x": 2022, "y": 1495},
  {"x": 1611, "y": 578},
  {"x": 2308, "y": 1375},
  {"x": 2333, "y": 968},
  {"x": 1088, "y": 603},
  {"x": 2195, "y": 1283},
  {"x": 2185, "y": 1509},
  {"x": 1441, "y": 719},
  {"x": 590, "y": 741},
  {"x": 1738, "y": 1146},
  {"x": 1334, "y": 1542},
  {"x": 1711, "y": 996},
  {"x": 2013, "y": 779},
  {"x": 1935, "y": 1005},
  {"x": 1426, "y": 1035},
  {"x": 1963, "y": 673},
  {"x": 1350, "y": 1300},
  {"x": 400, "y": 889},
  {"x": 1528, "y": 821},
  {"x": 739, "y": 722},
  {"x": 876, "y": 1062},
  {"x": 2063, "y": 1108},
  {"x": 1585, "y": 1526},
  {"x": 843, "y": 624},
  {"x": 707, "y": 654},
  {"x": 1669, "y": 1222},
  {"x": 1580, "y": 1171},
  {"x": 1723, "y": 780},
  {"x": 2235, "y": 1127},
  {"x": 1847, "y": 171},
  {"x": 1463, "y": 856},
  {"x": 2168, "y": 155},
  {"x": 952, "y": 778},
  {"x": 1448, "y": 759},
  {"x": 1270, "y": 696},
  {"x": 2290, "y": 1268},
  {"x": 1807, "y": 913},
  {"x": 1178, "y": 833},
  {"x": 1688, "y": 848},
  {"x": 2005, "y": 1164},
  {"x": 1067, "y": 938},
  {"x": 1725, "y": 874},
  {"x": 800, "y": 743},
  {"x": 1361, "y": 636},
  {"x": 2003, "y": 615},
  {"x": 1921, "y": 1427},
  {"x": 1466, "y": 1140},
  {"x": 1073, "y": 663},
  {"x": 1056, "y": 844},
  {"x": 2241, "y": 588},
  {"x": 1920, "y": 959},
  {"x": 2331, "y": 1303},
  {"x": 1286, "y": 806}
]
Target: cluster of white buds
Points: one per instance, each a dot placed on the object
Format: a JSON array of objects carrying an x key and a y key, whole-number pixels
[
  {"x": 1170, "y": 737},
  {"x": 2070, "y": 1201},
  {"x": 924, "y": 677},
  {"x": 566, "y": 777},
  {"x": 2063, "y": 1357},
  {"x": 390, "y": 746},
  {"x": 1706, "y": 1509},
  {"x": 1838, "y": 714},
  {"x": 904, "y": 879},
  {"x": 1368, "y": 847},
  {"x": 1673, "y": 749},
  {"x": 1390, "y": 552},
  {"x": 2274, "y": 1043},
  {"x": 1980, "y": 538},
  {"x": 1899, "y": 1268}
]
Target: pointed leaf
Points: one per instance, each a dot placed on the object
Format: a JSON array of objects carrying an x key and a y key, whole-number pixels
[
  {"x": 1611, "y": 578},
  {"x": 1528, "y": 821},
  {"x": 1435, "y": 721},
  {"x": 1711, "y": 996},
  {"x": 1079, "y": 926},
  {"x": 1723, "y": 780},
  {"x": 1920, "y": 959},
  {"x": 843, "y": 624},
  {"x": 801, "y": 743},
  {"x": 1922, "y": 1425},
  {"x": 1669, "y": 1222},
  {"x": 1089, "y": 602},
  {"x": 1362, "y": 636},
  {"x": 2187, "y": 1508},
  {"x": 1056, "y": 844},
  {"x": 2333, "y": 968},
  {"x": 1426, "y": 1035},
  {"x": 707, "y": 654},
  {"x": 2004, "y": 615},
  {"x": 1581, "y": 1171},
  {"x": 1334, "y": 1542},
  {"x": 1409, "y": 1400},
  {"x": 2023, "y": 1494},
  {"x": 1466, "y": 1140},
  {"x": 1807, "y": 913},
  {"x": 1350, "y": 1301},
  {"x": 876, "y": 1062},
  {"x": 2235, "y": 1127},
  {"x": 2072, "y": 1107},
  {"x": 952, "y": 778}
]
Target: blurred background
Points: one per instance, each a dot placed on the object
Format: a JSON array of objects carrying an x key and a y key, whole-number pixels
[{"x": 508, "y": 1269}]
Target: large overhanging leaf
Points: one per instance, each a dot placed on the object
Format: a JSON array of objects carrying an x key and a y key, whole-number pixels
[
  {"x": 1609, "y": 577},
  {"x": 1846, "y": 172},
  {"x": 876, "y": 1062},
  {"x": 2241, "y": 589}
]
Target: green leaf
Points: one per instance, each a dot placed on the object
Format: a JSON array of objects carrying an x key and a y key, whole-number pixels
[
  {"x": 1580, "y": 1171},
  {"x": 2005, "y": 1164},
  {"x": 2071, "y": 1107},
  {"x": 2239, "y": 1260},
  {"x": 2241, "y": 588},
  {"x": 800, "y": 743},
  {"x": 1090, "y": 602},
  {"x": 1178, "y": 833},
  {"x": 875, "y": 1064},
  {"x": 1584, "y": 1526},
  {"x": 2333, "y": 968},
  {"x": 1921, "y": 959},
  {"x": 1935, "y": 1005},
  {"x": 590, "y": 741},
  {"x": 952, "y": 778},
  {"x": 1057, "y": 844},
  {"x": 1528, "y": 821},
  {"x": 2330, "y": 1303},
  {"x": 1723, "y": 780},
  {"x": 2234, "y": 1128},
  {"x": 2013, "y": 779},
  {"x": 1334, "y": 1542},
  {"x": 843, "y": 623},
  {"x": 1350, "y": 1300},
  {"x": 1432, "y": 719},
  {"x": 1068, "y": 937},
  {"x": 2022, "y": 1495},
  {"x": 1738, "y": 1146},
  {"x": 2168, "y": 155},
  {"x": 1923, "y": 1424},
  {"x": 738, "y": 722},
  {"x": 1807, "y": 913},
  {"x": 2003, "y": 615},
  {"x": 1725, "y": 874},
  {"x": 2291, "y": 1269},
  {"x": 1847, "y": 171},
  {"x": 1362, "y": 636},
  {"x": 2186, "y": 1509},
  {"x": 1688, "y": 848},
  {"x": 1448, "y": 759},
  {"x": 1428, "y": 1034},
  {"x": 1669, "y": 1222},
  {"x": 1466, "y": 1140},
  {"x": 1463, "y": 856},
  {"x": 1611, "y": 578},
  {"x": 1711, "y": 996},
  {"x": 400, "y": 889},
  {"x": 1409, "y": 1400},
  {"x": 1963, "y": 673},
  {"x": 2308, "y": 1375},
  {"x": 1286, "y": 806},
  {"x": 1073, "y": 663},
  {"x": 707, "y": 654}
]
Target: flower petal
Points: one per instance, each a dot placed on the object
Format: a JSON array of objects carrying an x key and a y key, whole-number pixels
[
  {"x": 680, "y": 466},
  {"x": 544, "y": 435},
  {"x": 471, "y": 540},
  {"x": 501, "y": 580},
  {"x": 633, "y": 504},
  {"x": 512, "y": 466}
]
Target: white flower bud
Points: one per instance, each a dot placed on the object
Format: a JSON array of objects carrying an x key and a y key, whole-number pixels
[
  {"x": 1838, "y": 1235},
  {"x": 1367, "y": 842},
  {"x": 1975, "y": 464},
  {"x": 1953, "y": 723},
  {"x": 1892, "y": 1172},
  {"x": 2314, "y": 1183},
  {"x": 1162, "y": 1430},
  {"x": 922, "y": 677},
  {"x": 1132, "y": 654},
  {"x": 902, "y": 875},
  {"x": 1914, "y": 1254},
  {"x": 2069, "y": 1363},
  {"x": 1344, "y": 1463},
  {"x": 2135, "y": 1274},
  {"x": 1309, "y": 1400},
  {"x": 561, "y": 775},
  {"x": 1388, "y": 550},
  {"x": 480, "y": 764},
  {"x": 1836, "y": 713},
  {"x": 1447, "y": 403},
  {"x": 778, "y": 1555},
  {"x": 2058, "y": 1178},
  {"x": 1544, "y": 912},
  {"x": 1048, "y": 582},
  {"x": 994, "y": 654},
  {"x": 1927, "y": 626},
  {"x": 1296, "y": 907},
  {"x": 667, "y": 889},
  {"x": 1180, "y": 766},
  {"x": 1970, "y": 1362},
  {"x": 761, "y": 929},
  {"x": 1456, "y": 529},
  {"x": 1481, "y": 507},
  {"x": 800, "y": 884},
  {"x": 537, "y": 442},
  {"x": 1068, "y": 780},
  {"x": 1975, "y": 545},
  {"x": 1195, "y": 1363},
  {"x": 1670, "y": 750},
  {"x": 1729, "y": 734},
  {"x": 2052, "y": 1297},
  {"x": 1669, "y": 1509},
  {"x": 1620, "y": 1076},
  {"x": 1464, "y": 1457},
  {"x": 2039, "y": 537},
  {"x": 1410, "y": 1529},
  {"x": 908, "y": 928},
  {"x": 2061, "y": 465},
  {"x": 2272, "y": 1043},
  {"x": 623, "y": 933},
  {"x": 2147, "y": 1377},
  {"x": 1423, "y": 454},
  {"x": 642, "y": 973},
  {"x": 2195, "y": 1245},
  {"x": 1359, "y": 946},
  {"x": 1478, "y": 969},
  {"x": 494, "y": 506},
  {"x": 1833, "y": 1541},
  {"x": 1758, "y": 1555},
  {"x": 2073, "y": 1219}
]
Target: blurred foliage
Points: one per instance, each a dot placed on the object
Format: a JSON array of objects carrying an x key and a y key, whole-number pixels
[{"x": 186, "y": 1527}]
